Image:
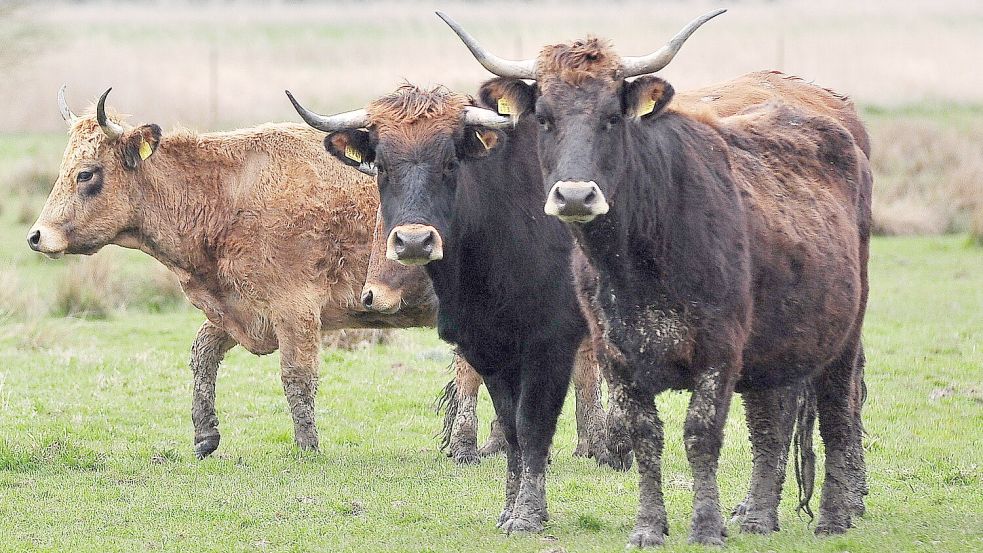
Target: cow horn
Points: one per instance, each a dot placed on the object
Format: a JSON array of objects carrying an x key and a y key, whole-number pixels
[
  {"x": 112, "y": 129},
  {"x": 357, "y": 119},
  {"x": 641, "y": 65},
  {"x": 518, "y": 69},
  {"x": 485, "y": 118},
  {"x": 66, "y": 112}
]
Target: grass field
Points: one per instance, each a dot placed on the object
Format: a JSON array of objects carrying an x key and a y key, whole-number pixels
[{"x": 95, "y": 438}]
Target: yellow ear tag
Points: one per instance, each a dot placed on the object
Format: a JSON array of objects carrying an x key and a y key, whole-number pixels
[
  {"x": 504, "y": 107},
  {"x": 646, "y": 108},
  {"x": 145, "y": 150},
  {"x": 481, "y": 139},
  {"x": 353, "y": 154}
]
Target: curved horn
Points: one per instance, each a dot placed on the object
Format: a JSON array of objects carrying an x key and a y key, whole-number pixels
[
  {"x": 485, "y": 118},
  {"x": 519, "y": 69},
  {"x": 641, "y": 65},
  {"x": 66, "y": 112},
  {"x": 357, "y": 119},
  {"x": 112, "y": 129}
]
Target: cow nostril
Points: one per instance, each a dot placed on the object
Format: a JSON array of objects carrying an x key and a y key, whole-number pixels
[
  {"x": 590, "y": 197},
  {"x": 398, "y": 241},
  {"x": 367, "y": 299},
  {"x": 34, "y": 239},
  {"x": 428, "y": 242},
  {"x": 559, "y": 195}
]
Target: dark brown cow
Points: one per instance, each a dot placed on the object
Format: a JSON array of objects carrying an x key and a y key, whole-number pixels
[{"x": 730, "y": 253}]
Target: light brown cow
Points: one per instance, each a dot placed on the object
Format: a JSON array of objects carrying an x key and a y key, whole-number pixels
[
  {"x": 391, "y": 287},
  {"x": 269, "y": 236}
]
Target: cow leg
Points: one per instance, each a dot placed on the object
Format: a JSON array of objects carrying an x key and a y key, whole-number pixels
[
  {"x": 299, "y": 340},
  {"x": 591, "y": 419},
  {"x": 619, "y": 439},
  {"x": 543, "y": 386},
  {"x": 209, "y": 348},
  {"x": 504, "y": 398},
  {"x": 642, "y": 417},
  {"x": 858, "y": 462},
  {"x": 703, "y": 435},
  {"x": 496, "y": 442},
  {"x": 770, "y": 418},
  {"x": 464, "y": 429},
  {"x": 835, "y": 398}
]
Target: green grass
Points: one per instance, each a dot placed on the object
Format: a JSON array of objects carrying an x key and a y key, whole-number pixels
[{"x": 95, "y": 441}]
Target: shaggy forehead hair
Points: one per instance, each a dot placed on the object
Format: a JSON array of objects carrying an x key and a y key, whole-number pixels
[
  {"x": 410, "y": 104},
  {"x": 575, "y": 62},
  {"x": 85, "y": 138}
]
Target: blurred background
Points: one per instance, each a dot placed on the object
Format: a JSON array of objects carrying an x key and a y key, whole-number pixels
[{"x": 911, "y": 66}]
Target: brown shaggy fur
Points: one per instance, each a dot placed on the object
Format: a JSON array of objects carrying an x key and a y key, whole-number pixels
[
  {"x": 578, "y": 61},
  {"x": 269, "y": 237},
  {"x": 412, "y": 111}
]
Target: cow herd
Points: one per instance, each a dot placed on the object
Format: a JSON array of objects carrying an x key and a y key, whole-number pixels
[{"x": 577, "y": 219}]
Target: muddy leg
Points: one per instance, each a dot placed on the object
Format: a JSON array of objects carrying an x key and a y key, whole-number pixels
[
  {"x": 504, "y": 398},
  {"x": 858, "y": 462},
  {"x": 619, "y": 443},
  {"x": 770, "y": 418},
  {"x": 207, "y": 352},
  {"x": 496, "y": 440},
  {"x": 651, "y": 524},
  {"x": 299, "y": 346},
  {"x": 837, "y": 426},
  {"x": 703, "y": 436},
  {"x": 464, "y": 432},
  {"x": 591, "y": 419}
]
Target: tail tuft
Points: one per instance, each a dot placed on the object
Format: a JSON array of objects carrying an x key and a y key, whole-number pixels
[{"x": 805, "y": 455}]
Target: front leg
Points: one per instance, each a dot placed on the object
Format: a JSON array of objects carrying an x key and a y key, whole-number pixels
[
  {"x": 299, "y": 339},
  {"x": 209, "y": 348},
  {"x": 503, "y": 396},
  {"x": 544, "y": 382},
  {"x": 703, "y": 435},
  {"x": 642, "y": 418}
]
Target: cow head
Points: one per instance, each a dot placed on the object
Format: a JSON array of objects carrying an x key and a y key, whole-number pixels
[
  {"x": 415, "y": 139},
  {"x": 585, "y": 108},
  {"x": 93, "y": 201}
]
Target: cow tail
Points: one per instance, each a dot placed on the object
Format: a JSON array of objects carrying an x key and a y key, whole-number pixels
[
  {"x": 805, "y": 455},
  {"x": 447, "y": 402}
]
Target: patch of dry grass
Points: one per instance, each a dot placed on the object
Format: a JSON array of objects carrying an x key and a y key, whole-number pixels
[
  {"x": 354, "y": 339},
  {"x": 928, "y": 177}
]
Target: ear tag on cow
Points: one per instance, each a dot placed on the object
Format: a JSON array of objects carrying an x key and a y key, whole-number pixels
[
  {"x": 481, "y": 139},
  {"x": 145, "y": 150},
  {"x": 504, "y": 107},
  {"x": 646, "y": 108},
  {"x": 353, "y": 154}
]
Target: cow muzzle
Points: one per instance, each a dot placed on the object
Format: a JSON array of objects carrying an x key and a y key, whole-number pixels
[
  {"x": 381, "y": 299},
  {"x": 47, "y": 241},
  {"x": 414, "y": 245},
  {"x": 576, "y": 201}
]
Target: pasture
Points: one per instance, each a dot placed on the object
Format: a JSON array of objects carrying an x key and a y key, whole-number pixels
[{"x": 95, "y": 390}]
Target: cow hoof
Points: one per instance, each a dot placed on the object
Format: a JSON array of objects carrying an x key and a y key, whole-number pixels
[
  {"x": 582, "y": 450},
  {"x": 647, "y": 537},
  {"x": 469, "y": 457},
  {"x": 491, "y": 447},
  {"x": 522, "y": 525},
  {"x": 737, "y": 514},
  {"x": 206, "y": 446},
  {"x": 829, "y": 529},
  {"x": 620, "y": 461},
  {"x": 752, "y": 525}
]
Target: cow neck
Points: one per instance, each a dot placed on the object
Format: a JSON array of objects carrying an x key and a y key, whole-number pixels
[{"x": 178, "y": 219}]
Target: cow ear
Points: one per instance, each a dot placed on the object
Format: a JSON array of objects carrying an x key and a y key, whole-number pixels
[
  {"x": 352, "y": 147},
  {"x": 139, "y": 144},
  {"x": 647, "y": 96},
  {"x": 507, "y": 96},
  {"x": 480, "y": 141}
]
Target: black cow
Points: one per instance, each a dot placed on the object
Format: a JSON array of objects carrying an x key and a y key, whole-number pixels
[{"x": 499, "y": 266}]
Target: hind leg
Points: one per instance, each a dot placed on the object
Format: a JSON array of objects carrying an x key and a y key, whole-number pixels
[
  {"x": 770, "y": 418},
  {"x": 591, "y": 419},
  {"x": 835, "y": 396},
  {"x": 463, "y": 443},
  {"x": 209, "y": 348},
  {"x": 858, "y": 462}
]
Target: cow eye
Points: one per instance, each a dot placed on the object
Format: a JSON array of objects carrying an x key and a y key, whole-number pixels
[
  {"x": 450, "y": 167},
  {"x": 544, "y": 122},
  {"x": 613, "y": 121},
  {"x": 84, "y": 176}
]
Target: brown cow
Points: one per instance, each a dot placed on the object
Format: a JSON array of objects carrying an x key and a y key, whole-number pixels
[
  {"x": 269, "y": 237},
  {"x": 391, "y": 287}
]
